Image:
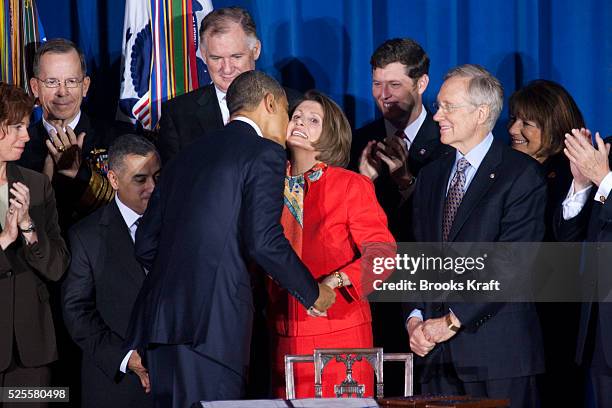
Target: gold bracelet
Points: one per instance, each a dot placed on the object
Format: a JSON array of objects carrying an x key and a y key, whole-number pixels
[{"x": 338, "y": 276}]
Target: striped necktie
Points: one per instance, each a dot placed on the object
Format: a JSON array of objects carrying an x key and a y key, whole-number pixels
[{"x": 454, "y": 197}]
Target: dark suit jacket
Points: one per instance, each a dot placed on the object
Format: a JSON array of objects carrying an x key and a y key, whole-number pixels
[
  {"x": 192, "y": 115},
  {"x": 558, "y": 180},
  {"x": 98, "y": 294},
  {"x": 186, "y": 118},
  {"x": 219, "y": 202},
  {"x": 25, "y": 270},
  {"x": 69, "y": 192},
  {"x": 592, "y": 224},
  {"x": 425, "y": 148},
  {"x": 498, "y": 340}
]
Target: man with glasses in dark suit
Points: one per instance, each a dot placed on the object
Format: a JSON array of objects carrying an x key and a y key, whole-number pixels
[{"x": 66, "y": 143}]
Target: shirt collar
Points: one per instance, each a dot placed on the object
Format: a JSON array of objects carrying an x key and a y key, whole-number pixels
[
  {"x": 250, "y": 122},
  {"x": 478, "y": 153},
  {"x": 129, "y": 216},
  {"x": 49, "y": 127},
  {"x": 412, "y": 129},
  {"x": 220, "y": 94}
]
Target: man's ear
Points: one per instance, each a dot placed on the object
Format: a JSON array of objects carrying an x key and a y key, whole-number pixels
[
  {"x": 270, "y": 103},
  {"x": 113, "y": 179},
  {"x": 483, "y": 113},
  {"x": 86, "y": 82},
  {"x": 34, "y": 86},
  {"x": 256, "y": 50},
  {"x": 422, "y": 83}
]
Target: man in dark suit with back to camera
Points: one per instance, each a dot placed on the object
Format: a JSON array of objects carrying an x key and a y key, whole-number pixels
[
  {"x": 229, "y": 45},
  {"x": 391, "y": 150},
  {"x": 214, "y": 206},
  {"x": 104, "y": 279},
  {"x": 483, "y": 192}
]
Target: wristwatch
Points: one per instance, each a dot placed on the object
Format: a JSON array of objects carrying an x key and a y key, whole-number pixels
[
  {"x": 30, "y": 228},
  {"x": 338, "y": 276},
  {"x": 451, "y": 326}
]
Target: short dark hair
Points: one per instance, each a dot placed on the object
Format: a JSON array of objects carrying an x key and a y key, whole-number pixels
[
  {"x": 128, "y": 144},
  {"x": 552, "y": 108},
  {"x": 217, "y": 22},
  {"x": 15, "y": 104},
  {"x": 405, "y": 51},
  {"x": 58, "y": 46},
  {"x": 248, "y": 90},
  {"x": 334, "y": 145}
]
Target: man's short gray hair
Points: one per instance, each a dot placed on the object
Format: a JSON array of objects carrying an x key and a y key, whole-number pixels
[
  {"x": 58, "y": 46},
  {"x": 219, "y": 20},
  {"x": 483, "y": 89}
]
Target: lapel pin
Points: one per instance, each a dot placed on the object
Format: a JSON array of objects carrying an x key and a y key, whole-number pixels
[
  {"x": 422, "y": 152},
  {"x": 492, "y": 175},
  {"x": 552, "y": 174}
]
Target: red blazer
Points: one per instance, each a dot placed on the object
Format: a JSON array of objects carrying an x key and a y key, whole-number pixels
[{"x": 341, "y": 214}]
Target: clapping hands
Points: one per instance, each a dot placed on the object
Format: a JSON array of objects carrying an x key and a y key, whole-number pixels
[
  {"x": 65, "y": 149},
  {"x": 589, "y": 165},
  {"x": 392, "y": 153}
]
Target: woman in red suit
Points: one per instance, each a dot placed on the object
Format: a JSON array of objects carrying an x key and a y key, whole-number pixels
[{"x": 329, "y": 214}]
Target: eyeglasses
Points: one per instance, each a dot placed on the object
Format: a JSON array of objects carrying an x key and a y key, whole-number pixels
[
  {"x": 447, "y": 108},
  {"x": 55, "y": 83}
]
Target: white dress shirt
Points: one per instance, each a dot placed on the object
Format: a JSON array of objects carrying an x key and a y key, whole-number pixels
[
  {"x": 474, "y": 157},
  {"x": 575, "y": 200},
  {"x": 130, "y": 216},
  {"x": 49, "y": 127},
  {"x": 222, "y": 104}
]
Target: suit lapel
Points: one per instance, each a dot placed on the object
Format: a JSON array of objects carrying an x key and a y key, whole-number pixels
[
  {"x": 120, "y": 244},
  {"x": 84, "y": 126},
  {"x": 427, "y": 134},
  {"x": 481, "y": 183},
  {"x": 13, "y": 174},
  {"x": 208, "y": 109}
]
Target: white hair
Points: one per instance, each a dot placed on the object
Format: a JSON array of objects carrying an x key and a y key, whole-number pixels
[{"x": 483, "y": 89}]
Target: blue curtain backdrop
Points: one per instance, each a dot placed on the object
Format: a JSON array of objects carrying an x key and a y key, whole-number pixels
[{"x": 327, "y": 44}]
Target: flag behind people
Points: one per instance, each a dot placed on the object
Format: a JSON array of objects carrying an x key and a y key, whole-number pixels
[
  {"x": 160, "y": 59},
  {"x": 21, "y": 32}
]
